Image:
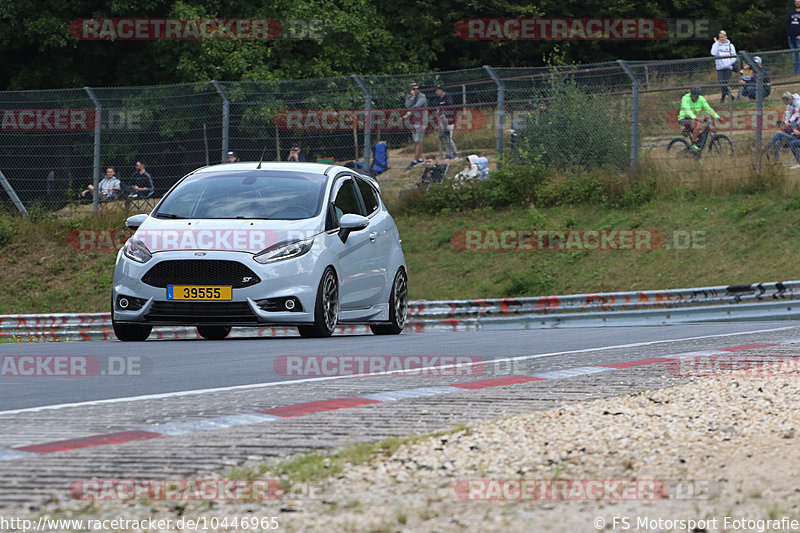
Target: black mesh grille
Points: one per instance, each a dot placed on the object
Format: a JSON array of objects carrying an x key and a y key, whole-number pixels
[
  {"x": 200, "y": 272},
  {"x": 200, "y": 312}
]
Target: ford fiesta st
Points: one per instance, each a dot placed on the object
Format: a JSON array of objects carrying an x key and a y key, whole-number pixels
[{"x": 250, "y": 244}]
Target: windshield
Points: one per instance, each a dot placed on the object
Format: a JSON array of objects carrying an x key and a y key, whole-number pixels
[{"x": 271, "y": 195}]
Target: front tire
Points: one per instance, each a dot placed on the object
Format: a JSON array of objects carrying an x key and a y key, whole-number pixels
[
  {"x": 721, "y": 145},
  {"x": 131, "y": 332},
  {"x": 213, "y": 333},
  {"x": 326, "y": 308},
  {"x": 398, "y": 307}
]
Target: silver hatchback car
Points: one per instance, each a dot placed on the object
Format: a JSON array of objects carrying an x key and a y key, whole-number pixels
[{"x": 250, "y": 244}]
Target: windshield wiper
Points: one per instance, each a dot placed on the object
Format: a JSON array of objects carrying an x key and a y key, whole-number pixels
[{"x": 168, "y": 215}]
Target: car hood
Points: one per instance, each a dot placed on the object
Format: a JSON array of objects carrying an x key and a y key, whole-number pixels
[{"x": 239, "y": 235}]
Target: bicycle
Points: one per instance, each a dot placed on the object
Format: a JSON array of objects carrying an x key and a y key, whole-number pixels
[{"x": 719, "y": 143}]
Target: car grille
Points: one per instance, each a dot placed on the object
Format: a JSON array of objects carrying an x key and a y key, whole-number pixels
[
  {"x": 200, "y": 312},
  {"x": 200, "y": 272}
]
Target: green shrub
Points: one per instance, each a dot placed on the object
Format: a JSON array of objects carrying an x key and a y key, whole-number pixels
[
  {"x": 8, "y": 227},
  {"x": 577, "y": 130}
]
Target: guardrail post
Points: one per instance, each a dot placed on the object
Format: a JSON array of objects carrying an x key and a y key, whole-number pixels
[
  {"x": 226, "y": 118},
  {"x": 98, "y": 110},
  {"x": 634, "y": 114},
  {"x": 759, "y": 108},
  {"x": 367, "y": 120},
  {"x": 501, "y": 99}
]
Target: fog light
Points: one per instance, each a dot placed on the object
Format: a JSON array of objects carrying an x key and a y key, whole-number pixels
[
  {"x": 289, "y": 304},
  {"x": 123, "y": 303}
]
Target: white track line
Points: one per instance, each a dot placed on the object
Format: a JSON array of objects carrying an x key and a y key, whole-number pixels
[{"x": 178, "y": 394}]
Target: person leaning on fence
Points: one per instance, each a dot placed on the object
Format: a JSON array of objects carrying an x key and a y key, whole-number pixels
[
  {"x": 792, "y": 103},
  {"x": 693, "y": 104},
  {"x": 109, "y": 186},
  {"x": 140, "y": 184},
  {"x": 749, "y": 78},
  {"x": 418, "y": 119},
  {"x": 445, "y": 121},
  {"x": 722, "y": 48},
  {"x": 793, "y": 35}
]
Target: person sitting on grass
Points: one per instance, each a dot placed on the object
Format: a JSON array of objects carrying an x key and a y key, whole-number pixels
[
  {"x": 786, "y": 137},
  {"x": 432, "y": 173},
  {"x": 692, "y": 104},
  {"x": 748, "y": 78}
]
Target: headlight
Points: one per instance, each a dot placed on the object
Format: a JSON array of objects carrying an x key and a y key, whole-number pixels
[
  {"x": 284, "y": 250},
  {"x": 135, "y": 249}
]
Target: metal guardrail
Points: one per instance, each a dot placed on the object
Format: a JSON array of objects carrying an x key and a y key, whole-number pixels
[{"x": 759, "y": 301}]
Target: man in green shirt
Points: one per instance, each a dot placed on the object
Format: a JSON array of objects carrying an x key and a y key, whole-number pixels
[{"x": 693, "y": 104}]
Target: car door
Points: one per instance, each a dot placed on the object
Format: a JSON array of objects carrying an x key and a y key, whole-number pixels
[
  {"x": 380, "y": 234},
  {"x": 358, "y": 283}
]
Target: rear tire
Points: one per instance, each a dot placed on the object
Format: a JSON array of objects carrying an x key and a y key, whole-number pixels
[
  {"x": 326, "y": 308},
  {"x": 679, "y": 148},
  {"x": 213, "y": 333},
  {"x": 398, "y": 307},
  {"x": 131, "y": 332}
]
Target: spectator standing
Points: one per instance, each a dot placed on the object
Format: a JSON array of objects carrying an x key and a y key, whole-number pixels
[
  {"x": 722, "y": 48},
  {"x": 50, "y": 182},
  {"x": 296, "y": 154},
  {"x": 141, "y": 182},
  {"x": 232, "y": 157},
  {"x": 445, "y": 121},
  {"x": 793, "y": 35},
  {"x": 417, "y": 103}
]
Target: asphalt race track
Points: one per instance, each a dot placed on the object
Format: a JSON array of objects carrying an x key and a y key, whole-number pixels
[{"x": 187, "y": 365}]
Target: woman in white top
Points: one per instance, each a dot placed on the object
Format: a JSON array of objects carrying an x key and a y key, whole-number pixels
[{"x": 722, "y": 48}]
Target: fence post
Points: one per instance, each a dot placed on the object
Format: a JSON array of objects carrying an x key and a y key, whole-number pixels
[
  {"x": 634, "y": 113},
  {"x": 226, "y": 118},
  {"x": 367, "y": 121},
  {"x": 98, "y": 110},
  {"x": 12, "y": 194},
  {"x": 501, "y": 99},
  {"x": 759, "y": 109}
]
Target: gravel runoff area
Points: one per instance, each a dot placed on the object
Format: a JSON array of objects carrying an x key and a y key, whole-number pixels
[{"x": 720, "y": 451}]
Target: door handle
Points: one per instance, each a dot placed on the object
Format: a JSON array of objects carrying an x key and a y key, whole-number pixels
[{"x": 372, "y": 236}]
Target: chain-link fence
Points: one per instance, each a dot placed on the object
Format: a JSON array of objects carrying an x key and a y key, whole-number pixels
[{"x": 617, "y": 115}]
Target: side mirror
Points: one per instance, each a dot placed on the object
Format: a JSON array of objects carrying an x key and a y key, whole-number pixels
[
  {"x": 349, "y": 223},
  {"x": 135, "y": 221}
]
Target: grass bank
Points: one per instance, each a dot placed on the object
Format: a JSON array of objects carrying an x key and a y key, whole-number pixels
[{"x": 711, "y": 239}]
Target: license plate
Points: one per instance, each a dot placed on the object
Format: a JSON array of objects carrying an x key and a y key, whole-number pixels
[{"x": 196, "y": 292}]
